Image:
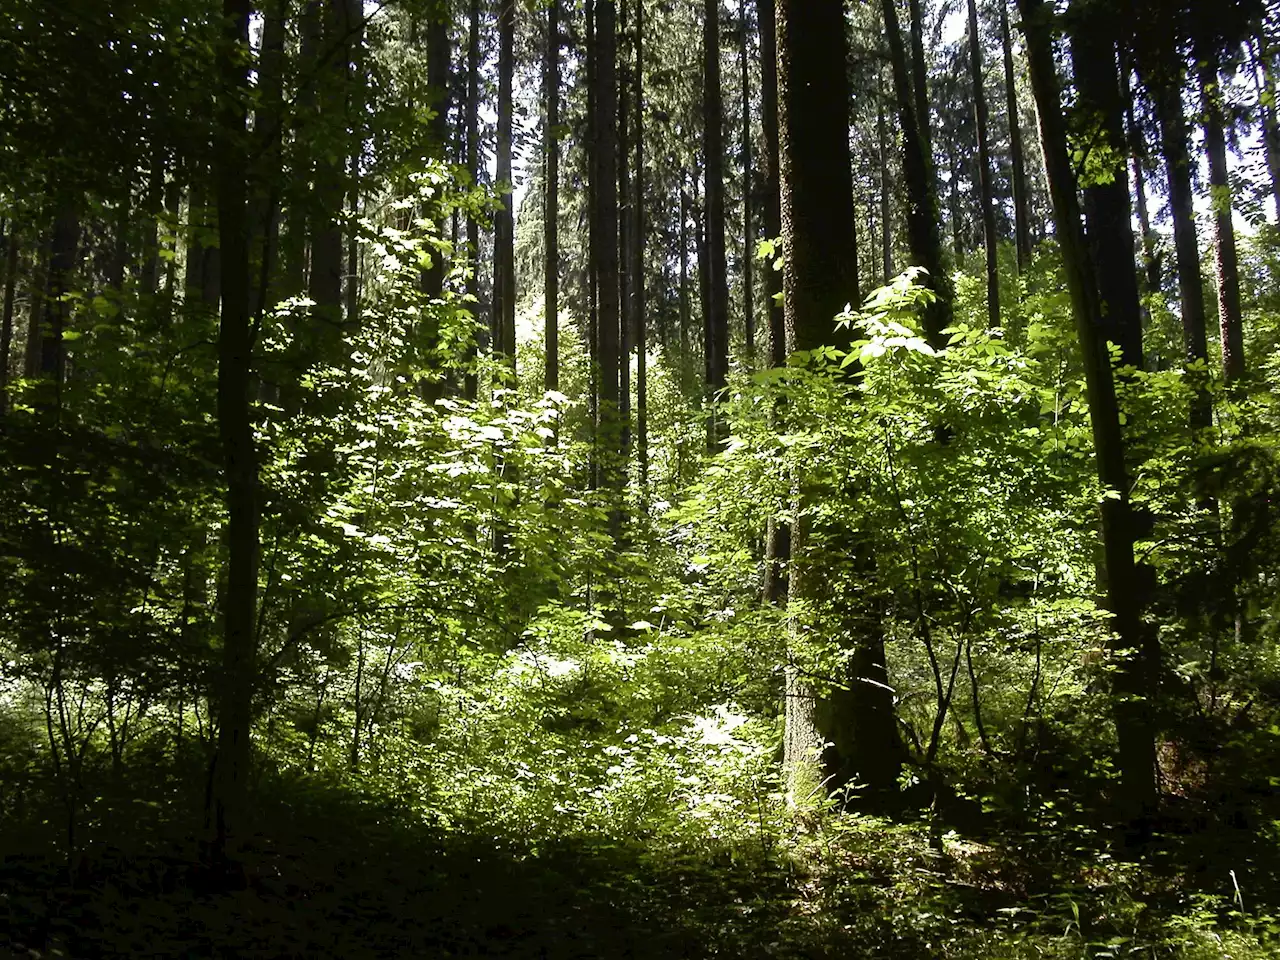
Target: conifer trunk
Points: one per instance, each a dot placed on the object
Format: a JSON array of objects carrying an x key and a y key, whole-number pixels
[
  {"x": 717, "y": 315},
  {"x": 551, "y": 186},
  {"x": 235, "y": 427},
  {"x": 1017, "y": 155},
  {"x": 748, "y": 236},
  {"x": 985, "y": 185},
  {"x": 638, "y": 242},
  {"x": 1107, "y": 205},
  {"x": 504, "y": 263},
  {"x": 1124, "y": 594},
  {"x": 1226, "y": 264},
  {"x": 470, "y": 383}
]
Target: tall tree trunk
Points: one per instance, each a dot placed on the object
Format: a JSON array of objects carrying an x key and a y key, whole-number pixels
[
  {"x": 748, "y": 235},
  {"x": 438, "y": 70},
  {"x": 777, "y": 532},
  {"x": 1224, "y": 236},
  {"x": 1138, "y": 149},
  {"x": 922, "y": 199},
  {"x": 1106, "y": 205},
  {"x": 626, "y": 214},
  {"x": 638, "y": 244},
  {"x": 1017, "y": 156},
  {"x": 717, "y": 316},
  {"x": 1267, "y": 107},
  {"x": 920, "y": 78},
  {"x": 551, "y": 186},
  {"x": 325, "y": 280},
  {"x": 504, "y": 263},
  {"x": 986, "y": 188},
  {"x": 6, "y": 317},
  {"x": 817, "y": 230},
  {"x": 62, "y": 260},
  {"x": 1124, "y": 592},
  {"x": 235, "y": 426},
  {"x": 685, "y": 311},
  {"x": 1166, "y": 87},
  {"x": 263, "y": 214},
  {"x": 471, "y": 381},
  {"x": 886, "y": 209},
  {"x": 604, "y": 254}
]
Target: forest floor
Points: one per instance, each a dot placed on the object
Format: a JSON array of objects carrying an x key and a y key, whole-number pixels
[{"x": 326, "y": 874}]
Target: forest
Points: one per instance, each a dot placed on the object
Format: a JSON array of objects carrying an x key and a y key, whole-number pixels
[{"x": 640, "y": 479}]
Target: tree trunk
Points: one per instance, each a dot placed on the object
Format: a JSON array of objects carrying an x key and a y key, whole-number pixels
[
  {"x": 604, "y": 253},
  {"x": 235, "y": 427},
  {"x": 638, "y": 242},
  {"x": 765, "y": 12},
  {"x": 817, "y": 229},
  {"x": 1138, "y": 148},
  {"x": 1166, "y": 88},
  {"x": 920, "y": 78},
  {"x": 551, "y": 211},
  {"x": 470, "y": 381},
  {"x": 1124, "y": 593},
  {"x": 62, "y": 260},
  {"x": 1224, "y": 236},
  {"x": 325, "y": 280},
  {"x": 504, "y": 263},
  {"x": 917, "y": 165},
  {"x": 886, "y": 209},
  {"x": 748, "y": 236},
  {"x": 1106, "y": 205},
  {"x": 717, "y": 316},
  {"x": 6, "y": 318},
  {"x": 986, "y": 188},
  {"x": 777, "y": 532},
  {"x": 1267, "y": 107},
  {"x": 1017, "y": 157},
  {"x": 626, "y": 218}
]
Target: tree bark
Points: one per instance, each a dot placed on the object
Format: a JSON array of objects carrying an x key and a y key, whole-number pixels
[
  {"x": 922, "y": 203},
  {"x": 748, "y": 235},
  {"x": 1166, "y": 86},
  {"x": 717, "y": 316},
  {"x": 1124, "y": 592},
  {"x": 986, "y": 188},
  {"x": 12, "y": 247},
  {"x": 504, "y": 263},
  {"x": 470, "y": 381},
  {"x": 1224, "y": 236},
  {"x": 638, "y": 243},
  {"x": 1017, "y": 155},
  {"x": 551, "y": 210},
  {"x": 886, "y": 208},
  {"x": 817, "y": 229},
  {"x": 235, "y": 427},
  {"x": 1106, "y": 204},
  {"x": 604, "y": 253}
]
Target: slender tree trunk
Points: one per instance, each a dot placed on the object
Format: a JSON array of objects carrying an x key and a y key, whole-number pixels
[
  {"x": 777, "y": 532},
  {"x": 239, "y": 604},
  {"x": 1017, "y": 156},
  {"x": 920, "y": 78},
  {"x": 604, "y": 252},
  {"x": 1138, "y": 149},
  {"x": 626, "y": 220},
  {"x": 1167, "y": 91},
  {"x": 504, "y": 264},
  {"x": 1106, "y": 205},
  {"x": 551, "y": 212},
  {"x": 1124, "y": 592},
  {"x": 922, "y": 202},
  {"x": 748, "y": 235},
  {"x": 717, "y": 316},
  {"x": 685, "y": 311},
  {"x": 471, "y": 381},
  {"x": 638, "y": 243},
  {"x": 325, "y": 280},
  {"x": 817, "y": 229},
  {"x": 886, "y": 209},
  {"x": 62, "y": 259},
  {"x": 1224, "y": 236},
  {"x": 6, "y": 318},
  {"x": 986, "y": 187},
  {"x": 1267, "y": 107}
]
